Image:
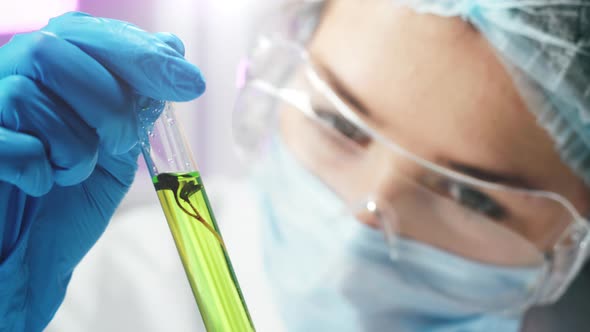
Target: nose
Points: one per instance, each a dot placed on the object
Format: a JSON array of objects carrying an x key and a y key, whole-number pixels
[
  {"x": 366, "y": 212},
  {"x": 391, "y": 182}
]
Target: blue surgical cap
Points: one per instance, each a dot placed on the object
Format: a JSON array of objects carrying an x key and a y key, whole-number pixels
[{"x": 548, "y": 43}]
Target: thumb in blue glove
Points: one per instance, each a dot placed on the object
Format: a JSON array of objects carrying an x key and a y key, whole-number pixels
[{"x": 68, "y": 146}]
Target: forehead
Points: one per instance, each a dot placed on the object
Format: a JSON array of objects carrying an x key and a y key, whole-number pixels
[
  {"x": 428, "y": 80},
  {"x": 416, "y": 59}
]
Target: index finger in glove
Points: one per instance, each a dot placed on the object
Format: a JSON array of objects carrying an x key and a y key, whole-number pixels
[{"x": 144, "y": 61}]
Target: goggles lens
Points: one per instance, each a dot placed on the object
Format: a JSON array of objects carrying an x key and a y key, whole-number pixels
[{"x": 388, "y": 187}]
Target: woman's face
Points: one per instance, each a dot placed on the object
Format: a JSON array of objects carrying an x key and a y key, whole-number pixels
[{"x": 434, "y": 86}]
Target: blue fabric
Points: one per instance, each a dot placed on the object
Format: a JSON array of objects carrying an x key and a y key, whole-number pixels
[
  {"x": 69, "y": 96},
  {"x": 547, "y": 42}
]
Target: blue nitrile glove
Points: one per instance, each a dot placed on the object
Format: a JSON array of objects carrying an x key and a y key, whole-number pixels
[{"x": 69, "y": 96}]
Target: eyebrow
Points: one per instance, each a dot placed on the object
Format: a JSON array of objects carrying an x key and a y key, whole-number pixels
[
  {"x": 475, "y": 172},
  {"x": 341, "y": 89},
  {"x": 492, "y": 176}
]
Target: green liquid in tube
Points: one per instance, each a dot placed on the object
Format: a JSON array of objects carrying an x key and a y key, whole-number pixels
[{"x": 203, "y": 252}]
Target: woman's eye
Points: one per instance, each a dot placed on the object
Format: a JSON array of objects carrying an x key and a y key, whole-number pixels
[
  {"x": 343, "y": 126},
  {"x": 476, "y": 201}
]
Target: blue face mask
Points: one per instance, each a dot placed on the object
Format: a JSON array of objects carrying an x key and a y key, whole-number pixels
[{"x": 332, "y": 273}]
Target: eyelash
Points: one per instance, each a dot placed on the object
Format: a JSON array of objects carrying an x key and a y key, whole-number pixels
[
  {"x": 343, "y": 126},
  {"x": 476, "y": 200}
]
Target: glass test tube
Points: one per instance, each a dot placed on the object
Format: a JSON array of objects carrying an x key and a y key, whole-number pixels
[{"x": 199, "y": 243}]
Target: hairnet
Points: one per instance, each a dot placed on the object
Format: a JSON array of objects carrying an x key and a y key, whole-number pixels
[{"x": 548, "y": 43}]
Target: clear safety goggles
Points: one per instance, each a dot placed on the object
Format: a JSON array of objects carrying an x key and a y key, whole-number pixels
[{"x": 282, "y": 94}]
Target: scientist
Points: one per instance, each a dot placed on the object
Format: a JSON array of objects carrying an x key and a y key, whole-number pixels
[{"x": 417, "y": 165}]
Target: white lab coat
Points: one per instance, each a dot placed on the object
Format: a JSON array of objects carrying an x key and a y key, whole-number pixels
[{"x": 132, "y": 279}]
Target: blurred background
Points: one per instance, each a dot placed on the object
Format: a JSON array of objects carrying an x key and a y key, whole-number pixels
[{"x": 216, "y": 35}]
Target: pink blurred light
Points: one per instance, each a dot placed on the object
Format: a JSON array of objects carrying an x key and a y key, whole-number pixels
[{"x": 26, "y": 15}]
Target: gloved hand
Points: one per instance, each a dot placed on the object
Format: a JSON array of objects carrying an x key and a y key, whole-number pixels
[{"x": 69, "y": 97}]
